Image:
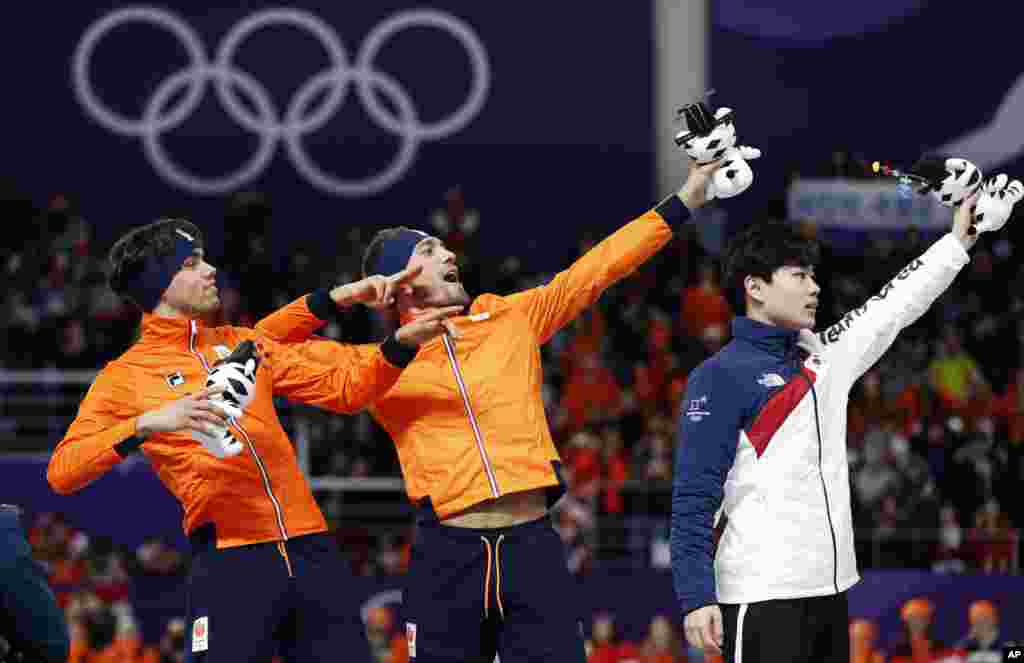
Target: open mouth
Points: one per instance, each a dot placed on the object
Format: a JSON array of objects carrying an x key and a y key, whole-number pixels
[{"x": 452, "y": 276}]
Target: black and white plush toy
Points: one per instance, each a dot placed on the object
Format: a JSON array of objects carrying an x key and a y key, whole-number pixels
[
  {"x": 952, "y": 181},
  {"x": 995, "y": 205},
  {"x": 708, "y": 138},
  {"x": 237, "y": 374}
]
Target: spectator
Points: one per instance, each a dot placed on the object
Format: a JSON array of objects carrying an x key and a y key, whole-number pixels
[
  {"x": 983, "y": 640},
  {"x": 950, "y": 552},
  {"x": 863, "y": 639},
  {"x": 606, "y": 646},
  {"x": 955, "y": 377},
  {"x": 1009, "y": 407},
  {"x": 172, "y": 643},
  {"x": 876, "y": 479},
  {"x": 154, "y": 556},
  {"x": 574, "y": 522},
  {"x": 917, "y": 644},
  {"x": 591, "y": 394},
  {"x": 993, "y": 543},
  {"x": 704, "y": 304},
  {"x": 662, "y": 645},
  {"x": 615, "y": 470},
  {"x": 93, "y": 632}
]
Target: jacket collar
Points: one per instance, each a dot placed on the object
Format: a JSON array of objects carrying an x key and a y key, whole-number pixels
[
  {"x": 776, "y": 340},
  {"x": 158, "y": 329}
]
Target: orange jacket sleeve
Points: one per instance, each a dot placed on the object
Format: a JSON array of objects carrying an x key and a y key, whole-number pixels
[
  {"x": 106, "y": 419},
  {"x": 295, "y": 322},
  {"x": 335, "y": 376},
  {"x": 317, "y": 371},
  {"x": 550, "y": 307}
]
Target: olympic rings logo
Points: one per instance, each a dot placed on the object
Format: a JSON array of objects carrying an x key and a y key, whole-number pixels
[{"x": 262, "y": 117}]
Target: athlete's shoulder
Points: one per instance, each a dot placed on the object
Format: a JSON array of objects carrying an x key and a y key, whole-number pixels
[
  {"x": 489, "y": 303},
  {"x": 233, "y": 334},
  {"x": 728, "y": 363}
]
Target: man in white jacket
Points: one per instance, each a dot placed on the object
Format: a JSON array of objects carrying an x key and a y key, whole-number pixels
[{"x": 763, "y": 446}]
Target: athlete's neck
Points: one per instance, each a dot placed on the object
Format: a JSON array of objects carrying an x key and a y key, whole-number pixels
[
  {"x": 410, "y": 313},
  {"x": 165, "y": 310}
]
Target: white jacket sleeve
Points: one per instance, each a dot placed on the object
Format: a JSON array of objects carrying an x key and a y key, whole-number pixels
[{"x": 862, "y": 336}]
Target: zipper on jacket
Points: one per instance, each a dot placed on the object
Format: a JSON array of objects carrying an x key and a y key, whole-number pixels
[
  {"x": 824, "y": 488},
  {"x": 193, "y": 332},
  {"x": 477, "y": 433}
]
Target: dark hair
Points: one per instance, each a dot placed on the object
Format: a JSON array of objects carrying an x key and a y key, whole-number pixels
[
  {"x": 129, "y": 254},
  {"x": 374, "y": 248},
  {"x": 759, "y": 250}
]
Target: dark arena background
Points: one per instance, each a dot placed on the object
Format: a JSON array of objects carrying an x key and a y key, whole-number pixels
[{"x": 520, "y": 133}]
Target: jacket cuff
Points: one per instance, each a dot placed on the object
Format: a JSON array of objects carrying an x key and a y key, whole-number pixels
[
  {"x": 696, "y": 603},
  {"x": 321, "y": 305},
  {"x": 673, "y": 210},
  {"x": 397, "y": 354},
  {"x": 129, "y": 445}
]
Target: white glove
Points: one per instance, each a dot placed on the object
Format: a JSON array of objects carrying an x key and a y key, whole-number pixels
[
  {"x": 963, "y": 180},
  {"x": 222, "y": 444},
  {"x": 996, "y": 203}
]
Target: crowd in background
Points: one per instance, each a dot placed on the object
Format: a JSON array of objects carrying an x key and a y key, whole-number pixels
[
  {"x": 93, "y": 578},
  {"x": 935, "y": 429}
]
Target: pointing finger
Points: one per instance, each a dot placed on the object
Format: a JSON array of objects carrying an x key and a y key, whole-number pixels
[{"x": 406, "y": 274}]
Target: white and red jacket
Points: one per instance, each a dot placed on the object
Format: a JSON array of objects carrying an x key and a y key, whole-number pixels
[{"x": 763, "y": 437}]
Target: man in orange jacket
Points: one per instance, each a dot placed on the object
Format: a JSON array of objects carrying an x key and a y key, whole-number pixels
[
  {"x": 488, "y": 571},
  {"x": 264, "y": 575}
]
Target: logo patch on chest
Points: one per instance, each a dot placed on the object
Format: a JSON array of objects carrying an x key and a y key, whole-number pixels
[
  {"x": 175, "y": 380},
  {"x": 698, "y": 409},
  {"x": 771, "y": 380}
]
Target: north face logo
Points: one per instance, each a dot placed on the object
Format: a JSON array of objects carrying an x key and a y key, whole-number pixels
[{"x": 771, "y": 380}]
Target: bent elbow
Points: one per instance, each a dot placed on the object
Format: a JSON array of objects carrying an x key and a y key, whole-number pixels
[{"x": 59, "y": 479}]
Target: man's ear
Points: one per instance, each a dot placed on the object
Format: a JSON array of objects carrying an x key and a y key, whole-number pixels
[{"x": 752, "y": 287}]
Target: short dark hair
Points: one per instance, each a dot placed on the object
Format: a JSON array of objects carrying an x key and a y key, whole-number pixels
[
  {"x": 759, "y": 250},
  {"x": 373, "y": 249},
  {"x": 129, "y": 254}
]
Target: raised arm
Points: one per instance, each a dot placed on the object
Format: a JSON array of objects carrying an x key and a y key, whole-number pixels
[
  {"x": 862, "y": 336},
  {"x": 709, "y": 433},
  {"x": 554, "y": 305}
]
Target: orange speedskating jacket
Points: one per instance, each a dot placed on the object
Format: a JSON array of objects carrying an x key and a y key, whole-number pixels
[
  {"x": 256, "y": 496},
  {"x": 467, "y": 417}
]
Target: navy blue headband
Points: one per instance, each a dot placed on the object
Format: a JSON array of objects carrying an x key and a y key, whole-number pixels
[
  {"x": 395, "y": 252},
  {"x": 148, "y": 287}
]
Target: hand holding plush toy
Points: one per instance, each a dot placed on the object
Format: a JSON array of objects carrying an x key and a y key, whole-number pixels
[
  {"x": 710, "y": 138},
  {"x": 237, "y": 374},
  {"x": 952, "y": 181}
]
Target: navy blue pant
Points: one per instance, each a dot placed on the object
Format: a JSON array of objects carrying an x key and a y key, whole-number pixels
[
  {"x": 472, "y": 593},
  {"x": 246, "y": 604},
  {"x": 30, "y": 619}
]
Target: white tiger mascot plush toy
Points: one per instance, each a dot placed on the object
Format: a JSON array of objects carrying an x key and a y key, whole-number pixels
[
  {"x": 961, "y": 180},
  {"x": 706, "y": 139},
  {"x": 237, "y": 374}
]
